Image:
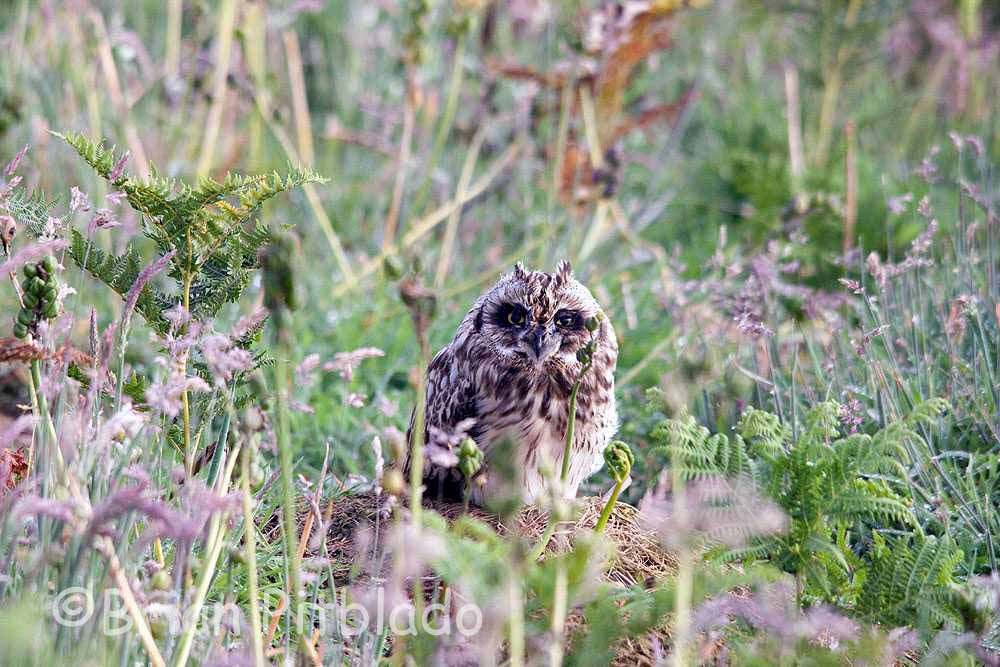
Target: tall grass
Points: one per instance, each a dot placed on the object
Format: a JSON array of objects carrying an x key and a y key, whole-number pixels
[{"x": 718, "y": 166}]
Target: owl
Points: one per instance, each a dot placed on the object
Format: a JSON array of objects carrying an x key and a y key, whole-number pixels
[{"x": 505, "y": 381}]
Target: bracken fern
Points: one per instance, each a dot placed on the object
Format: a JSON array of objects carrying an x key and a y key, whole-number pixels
[
  {"x": 831, "y": 486},
  {"x": 212, "y": 227}
]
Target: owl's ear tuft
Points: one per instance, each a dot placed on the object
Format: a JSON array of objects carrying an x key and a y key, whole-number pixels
[
  {"x": 564, "y": 271},
  {"x": 520, "y": 272}
]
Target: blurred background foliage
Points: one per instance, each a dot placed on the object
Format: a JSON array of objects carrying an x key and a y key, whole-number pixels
[
  {"x": 785, "y": 206},
  {"x": 717, "y": 130}
]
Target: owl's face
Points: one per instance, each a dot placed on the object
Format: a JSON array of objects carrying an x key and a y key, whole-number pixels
[{"x": 533, "y": 318}]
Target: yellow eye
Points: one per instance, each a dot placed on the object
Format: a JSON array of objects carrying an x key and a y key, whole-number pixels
[
  {"x": 565, "y": 320},
  {"x": 515, "y": 317}
]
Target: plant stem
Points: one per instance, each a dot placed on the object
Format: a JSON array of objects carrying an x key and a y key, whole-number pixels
[
  {"x": 851, "y": 204},
  {"x": 423, "y": 226},
  {"x": 539, "y": 548},
  {"x": 571, "y": 421},
  {"x": 300, "y": 103},
  {"x": 40, "y": 406},
  {"x": 105, "y": 546},
  {"x": 315, "y": 204},
  {"x": 602, "y": 521},
  {"x": 194, "y": 611},
  {"x": 558, "y": 614},
  {"x": 186, "y": 403},
  {"x": 175, "y": 16},
  {"x": 833, "y": 79},
  {"x": 288, "y": 492},
  {"x": 516, "y": 621},
  {"x": 254, "y": 45},
  {"x": 250, "y": 549},
  {"x": 417, "y": 460},
  {"x": 685, "y": 574}
]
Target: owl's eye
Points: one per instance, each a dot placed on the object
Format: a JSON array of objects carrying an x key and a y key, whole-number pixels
[
  {"x": 516, "y": 316},
  {"x": 566, "y": 319}
]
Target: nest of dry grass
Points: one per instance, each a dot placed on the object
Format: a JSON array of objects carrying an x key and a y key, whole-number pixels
[{"x": 639, "y": 558}]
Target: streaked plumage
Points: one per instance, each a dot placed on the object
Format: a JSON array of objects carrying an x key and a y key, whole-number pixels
[{"x": 507, "y": 374}]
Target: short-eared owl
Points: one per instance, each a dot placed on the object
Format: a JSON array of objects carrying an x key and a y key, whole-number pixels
[{"x": 506, "y": 376}]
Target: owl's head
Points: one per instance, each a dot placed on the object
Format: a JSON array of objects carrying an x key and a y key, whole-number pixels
[{"x": 534, "y": 318}]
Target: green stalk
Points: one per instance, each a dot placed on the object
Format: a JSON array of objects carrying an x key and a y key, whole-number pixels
[
  {"x": 123, "y": 345},
  {"x": 40, "y": 406},
  {"x": 257, "y": 64},
  {"x": 288, "y": 493},
  {"x": 590, "y": 349},
  {"x": 185, "y": 401},
  {"x": 685, "y": 575},
  {"x": 570, "y": 426},
  {"x": 558, "y": 614},
  {"x": 175, "y": 18},
  {"x": 602, "y": 521},
  {"x": 516, "y": 620},
  {"x": 250, "y": 549},
  {"x": 539, "y": 548},
  {"x": 43, "y": 404},
  {"x": 214, "y": 543},
  {"x": 417, "y": 462},
  {"x": 571, "y": 418}
]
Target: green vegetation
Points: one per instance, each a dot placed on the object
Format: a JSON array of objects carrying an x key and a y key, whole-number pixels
[{"x": 788, "y": 211}]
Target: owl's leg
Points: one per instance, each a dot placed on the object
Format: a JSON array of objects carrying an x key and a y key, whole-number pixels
[{"x": 444, "y": 484}]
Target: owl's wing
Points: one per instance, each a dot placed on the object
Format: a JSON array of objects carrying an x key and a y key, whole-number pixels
[{"x": 451, "y": 399}]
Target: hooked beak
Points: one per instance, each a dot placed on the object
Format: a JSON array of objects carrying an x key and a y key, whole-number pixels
[{"x": 538, "y": 339}]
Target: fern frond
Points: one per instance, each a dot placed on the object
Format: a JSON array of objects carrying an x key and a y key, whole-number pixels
[
  {"x": 31, "y": 210},
  {"x": 211, "y": 227},
  {"x": 763, "y": 431}
]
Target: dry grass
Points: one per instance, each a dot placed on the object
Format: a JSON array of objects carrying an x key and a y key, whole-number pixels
[{"x": 639, "y": 558}]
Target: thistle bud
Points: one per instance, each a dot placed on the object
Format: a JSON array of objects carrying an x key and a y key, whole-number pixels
[
  {"x": 583, "y": 355},
  {"x": 50, "y": 264},
  {"x": 30, "y": 271},
  {"x": 392, "y": 266},
  {"x": 34, "y": 285},
  {"x": 393, "y": 482},
  {"x": 592, "y": 323},
  {"x": 160, "y": 581},
  {"x": 470, "y": 458}
]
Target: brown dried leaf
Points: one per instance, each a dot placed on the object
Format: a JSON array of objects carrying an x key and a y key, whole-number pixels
[
  {"x": 15, "y": 350},
  {"x": 13, "y": 468},
  {"x": 12, "y": 349}
]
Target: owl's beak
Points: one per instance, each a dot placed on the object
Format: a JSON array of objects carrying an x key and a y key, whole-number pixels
[{"x": 538, "y": 339}]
